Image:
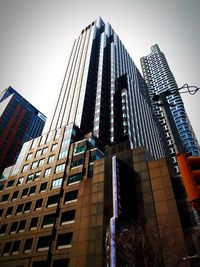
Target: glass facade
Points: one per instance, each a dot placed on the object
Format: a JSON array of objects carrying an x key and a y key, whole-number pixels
[
  {"x": 104, "y": 93},
  {"x": 19, "y": 122},
  {"x": 159, "y": 79}
]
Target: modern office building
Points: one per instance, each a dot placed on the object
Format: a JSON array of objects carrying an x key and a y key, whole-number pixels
[
  {"x": 59, "y": 201},
  {"x": 99, "y": 167},
  {"x": 159, "y": 79},
  {"x": 104, "y": 92},
  {"x": 19, "y": 122}
]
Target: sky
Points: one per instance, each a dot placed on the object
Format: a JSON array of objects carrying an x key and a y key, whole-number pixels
[{"x": 36, "y": 38}]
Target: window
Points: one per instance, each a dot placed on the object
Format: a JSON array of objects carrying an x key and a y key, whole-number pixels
[
  {"x": 15, "y": 247},
  {"x": 48, "y": 220},
  {"x": 3, "y": 228},
  {"x": 38, "y": 204},
  {"x": 33, "y": 224},
  {"x": 47, "y": 172},
  {"x": 20, "y": 180},
  {"x": 27, "y": 207},
  {"x": 60, "y": 168},
  {"x": 24, "y": 192},
  {"x": 75, "y": 178},
  {"x": 63, "y": 154},
  {"x": 56, "y": 183},
  {"x": 7, "y": 248},
  {"x": 43, "y": 243},
  {"x": 80, "y": 149},
  {"x": 70, "y": 196},
  {"x": 44, "y": 150},
  {"x": 22, "y": 225},
  {"x": 67, "y": 217},
  {"x": 10, "y": 183},
  {"x": 54, "y": 147},
  {"x": 39, "y": 263},
  {"x": 29, "y": 156},
  {"x": 43, "y": 187},
  {"x": 25, "y": 168},
  {"x": 61, "y": 263},
  {"x": 13, "y": 227},
  {"x": 32, "y": 190},
  {"x": 19, "y": 208},
  {"x": 34, "y": 164},
  {"x": 28, "y": 245},
  {"x": 14, "y": 196},
  {"x": 9, "y": 211},
  {"x": 50, "y": 159},
  {"x": 77, "y": 162},
  {"x": 38, "y": 153},
  {"x": 41, "y": 162},
  {"x": 66, "y": 142},
  {"x": 30, "y": 177},
  {"x": 53, "y": 200},
  {"x": 58, "y": 132},
  {"x": 64, "y": 240},
  {"x": 90, "y": 170},
  {"x": 37, "y": 175},
  {"x": 1, "y": 212},
  {"x": 1, "y": 186},
  {"x": 5, "y": 198}
]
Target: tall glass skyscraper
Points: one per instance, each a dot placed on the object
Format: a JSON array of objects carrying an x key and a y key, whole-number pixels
[
  {"x": 159, "y": 78},
  {"x": 104, "y": 92},
  {"x": 19, "y": 122}
]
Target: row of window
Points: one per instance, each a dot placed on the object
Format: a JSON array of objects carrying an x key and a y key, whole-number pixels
[
  {"x": 33, "y": 176},
  {"x": 52, "y": 200},
  {"x": 39, "y": 152},
  {"x": 31, "y": 190},
  {"x": 48, "y": 221},
  {"x": 63, "y": 241},
  {"x": 38, "y": 163}
]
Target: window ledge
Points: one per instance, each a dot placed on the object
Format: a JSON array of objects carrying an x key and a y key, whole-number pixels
[
  {"x": 77, "y": 182},
  {"x": 71, "y": 201},
  {"x": 15, "y": 252},
  {"x": 64, "y": 246},
  {"x": 43, "y": 249},
  {"x": 52, "y": 205},
  {"x": 5, "y": 254},
  {"x": 68, "y": 222},
  {"x": 47, "y": 225}
]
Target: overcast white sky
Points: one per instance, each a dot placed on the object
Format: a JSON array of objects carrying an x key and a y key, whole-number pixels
[{"x": 36, "y": 37}]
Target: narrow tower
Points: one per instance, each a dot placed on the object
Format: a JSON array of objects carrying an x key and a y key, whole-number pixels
[{"x": 159, "y": 78}]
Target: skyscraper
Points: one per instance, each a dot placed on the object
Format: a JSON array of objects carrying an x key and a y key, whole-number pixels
[
  {"x": 97, "y": 166},
  {"x": 19, "y": 122},
  {"x": 104, "y": 92},
  {"x": 159, "y": 78}
]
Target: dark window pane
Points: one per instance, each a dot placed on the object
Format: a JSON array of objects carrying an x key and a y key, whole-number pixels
[
  {"x": 64, "y": 240},
  {"x": 71, "y": 195},
  {"x": 44, "y": 242},
  {"x": 67, "y": 216}
]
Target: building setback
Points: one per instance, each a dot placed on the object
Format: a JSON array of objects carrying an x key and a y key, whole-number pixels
[{"x": 19, "y": 122}]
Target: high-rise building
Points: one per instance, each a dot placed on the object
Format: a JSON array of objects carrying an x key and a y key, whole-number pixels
[
  {"x": 104, "y": 92},
  {"x": 19, "y": 122},
  {"x": 98, "y": 167},
  {"x": 159, "y": 79},
  {"x": 66, "y": 194}
]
